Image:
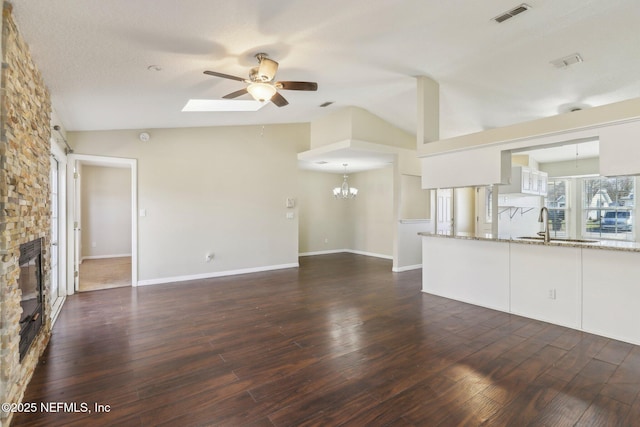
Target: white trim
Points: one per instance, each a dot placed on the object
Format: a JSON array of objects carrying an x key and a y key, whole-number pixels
[
  {"x": 407, "y": 268},
  {"x": 414, "y": 221},
  {"x": 331, "y": 251},
  {"x": 105, "y": 256},
  {"x": 370, "y": 254},
  {"x": 215, "y": 274},
  {"x": 63, "y": 277},
  {"x": 132, "y": 164},
  {"x": 351, "y": 251},
  {"x": 56, "y": 309}
]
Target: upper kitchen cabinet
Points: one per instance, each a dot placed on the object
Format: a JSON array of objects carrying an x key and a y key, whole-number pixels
[{"x": 525, "y": 180}]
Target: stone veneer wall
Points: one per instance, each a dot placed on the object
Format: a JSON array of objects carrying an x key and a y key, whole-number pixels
[{"x": 24, "y": 201}]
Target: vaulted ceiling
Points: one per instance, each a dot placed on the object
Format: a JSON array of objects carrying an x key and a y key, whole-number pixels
[{"x": 100, "y": 59}]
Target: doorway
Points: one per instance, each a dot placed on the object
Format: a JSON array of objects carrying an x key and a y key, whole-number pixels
[
  {"x": 444, "y": 208},
  {"x": 58, "y": 251},
  {"x": 104, "y": 225}
]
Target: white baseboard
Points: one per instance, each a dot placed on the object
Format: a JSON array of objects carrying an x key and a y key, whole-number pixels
[
  {"x": 351, "y": 251},
  {"x": 331, "y": 251},
  {"x": 370, "y": 254},
  {"x": 215, "y": 274},
  {"x": 104, "y": 256},
  {"x": 406, "y": 268}
]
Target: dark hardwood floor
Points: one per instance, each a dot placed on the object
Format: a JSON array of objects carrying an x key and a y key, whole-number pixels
[{"x": 340, "y": 341}]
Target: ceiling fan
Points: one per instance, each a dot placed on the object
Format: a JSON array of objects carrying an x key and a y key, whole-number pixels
[{"x": 261, "y": 84}]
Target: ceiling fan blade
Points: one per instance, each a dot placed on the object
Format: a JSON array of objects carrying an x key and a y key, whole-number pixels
[
  {"x": 279, "y": 100},
  {"x": 297, "y": 85},
  {"x": 224, "y": 76},
  {"x": 236, "y": 94}
]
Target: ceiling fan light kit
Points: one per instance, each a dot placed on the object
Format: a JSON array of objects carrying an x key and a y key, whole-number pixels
[
  {"x": 267, "y": 69},
  {"x": 261, "y": 85},
  {"x": 261, "y": 91}
]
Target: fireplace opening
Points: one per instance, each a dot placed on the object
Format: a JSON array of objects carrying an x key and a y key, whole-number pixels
[{"x": 30, "y": 283}]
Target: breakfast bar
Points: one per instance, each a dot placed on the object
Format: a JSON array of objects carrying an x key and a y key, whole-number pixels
[{"x": 593, "y": 286}]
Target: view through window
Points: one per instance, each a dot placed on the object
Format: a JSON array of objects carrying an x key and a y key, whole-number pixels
[{"x": 607, "y": 210}]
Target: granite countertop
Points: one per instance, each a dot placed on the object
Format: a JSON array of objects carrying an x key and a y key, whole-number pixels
[{"x": 615, "y": 245}]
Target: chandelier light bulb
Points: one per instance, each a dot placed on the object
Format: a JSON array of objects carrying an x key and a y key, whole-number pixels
[{"x": 344, "y": 191}]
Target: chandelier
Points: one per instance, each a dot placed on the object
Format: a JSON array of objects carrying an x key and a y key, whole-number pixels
[{"x": 344, "y": 191}]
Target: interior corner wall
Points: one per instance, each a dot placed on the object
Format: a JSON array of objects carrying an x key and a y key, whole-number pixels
[
  {"x": 332, "y": 127},
  {"x": 371, "y": 128},
  {"x": 211, "y": 190},
  {"x": 106, "y": 211},
  {"x": 372, "y": 212},
  {"x": 24, "y": 202},
  {"x": 325, "y": 223}
]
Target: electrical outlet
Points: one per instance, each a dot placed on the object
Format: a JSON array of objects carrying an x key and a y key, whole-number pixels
[
  {"x": 208, "y": 257},
  {"x": 552, "y": 294},
  {"x": 326, "y": 240}
]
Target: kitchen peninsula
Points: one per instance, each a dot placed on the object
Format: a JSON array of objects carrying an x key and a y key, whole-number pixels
[{"x": 590, "y": 286}]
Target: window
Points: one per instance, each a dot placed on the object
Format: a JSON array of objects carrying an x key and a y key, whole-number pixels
[
  {"x": 556, "y": 202},
  {"x": 608, "y": 207}
]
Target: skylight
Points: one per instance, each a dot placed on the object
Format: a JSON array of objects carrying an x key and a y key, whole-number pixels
[{"x": 222, "y": 105}]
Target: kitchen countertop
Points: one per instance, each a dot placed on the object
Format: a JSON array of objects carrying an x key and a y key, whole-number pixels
[{"x": 614, "y": 245}]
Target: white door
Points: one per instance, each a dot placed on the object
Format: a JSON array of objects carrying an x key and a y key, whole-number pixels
[
  {"x": 444, "y": 206},
  {"x": 484, "y": 210},
  {"x": 55, "y": 230},
  {"x": 58, "y": 230},
  {"x": 76, "y": 227}
]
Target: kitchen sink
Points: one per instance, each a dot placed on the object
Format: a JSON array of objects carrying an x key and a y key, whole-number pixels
[{"x": 559, "y": 239}]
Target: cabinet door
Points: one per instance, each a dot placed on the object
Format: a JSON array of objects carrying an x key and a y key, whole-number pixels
[
  {"x": 526, "y": 180},
  {"x": 535, "y": 182},
  {"x": 542, "y": 183}
]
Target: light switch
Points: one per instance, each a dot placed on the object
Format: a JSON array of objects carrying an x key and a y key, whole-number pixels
[
  {"x": 143, "y": 212},
  {"x": 289, "y": 215}
]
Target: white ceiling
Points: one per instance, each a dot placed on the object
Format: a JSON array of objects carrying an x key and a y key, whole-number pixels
[
  {"x": 94, "y": 56},
  {"x": 564, "y": 152}
]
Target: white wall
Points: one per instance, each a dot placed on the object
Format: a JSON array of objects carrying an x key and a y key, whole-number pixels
[
  {"x": 464, "y": 209},
  {"x": 325, "y": 222},
  {"x": 415, "y": 203},
  {"x": 221, "y": 190},
  {"x": 106, "y": 211},
  {"x": 359, "y": 124},
  {"x": 518, "y": 215},
  {"x": 362, "y": 225},
  {"x": 590, "y": 166},
  {"x": 372, "y": 212}
]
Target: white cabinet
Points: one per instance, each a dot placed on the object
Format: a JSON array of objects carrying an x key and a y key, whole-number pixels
[
  {"x": 525, "y": 180},
  {"x": 545, "y": 283},
  {"x": 611, "y": 294},
  {"x": 484, "y": 280}
]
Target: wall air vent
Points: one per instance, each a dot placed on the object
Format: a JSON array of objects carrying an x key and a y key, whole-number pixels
[
  {"x": 511, "y": 13},
  {"x": 567, "y": 60}
]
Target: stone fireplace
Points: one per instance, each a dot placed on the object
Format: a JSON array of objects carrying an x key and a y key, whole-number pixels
[
  {"x": 31, "y": 296},
  {"x": 25, "y": 215}
]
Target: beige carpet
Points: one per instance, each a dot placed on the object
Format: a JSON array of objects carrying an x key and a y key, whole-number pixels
[{"x": 105, "y": 273}]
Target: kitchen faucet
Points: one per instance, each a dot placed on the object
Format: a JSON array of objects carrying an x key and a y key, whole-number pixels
[{"x": 544, "y": 219}]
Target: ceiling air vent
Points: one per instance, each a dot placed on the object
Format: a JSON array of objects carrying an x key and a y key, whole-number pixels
[
  {"x": 567, "y": 60},
  {"x": 511, "y": 13}
]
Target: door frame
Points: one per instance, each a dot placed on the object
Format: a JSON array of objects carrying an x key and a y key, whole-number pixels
[
  {"x": 56, "y": 303},
  {"x": 73, "y": 207}
]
